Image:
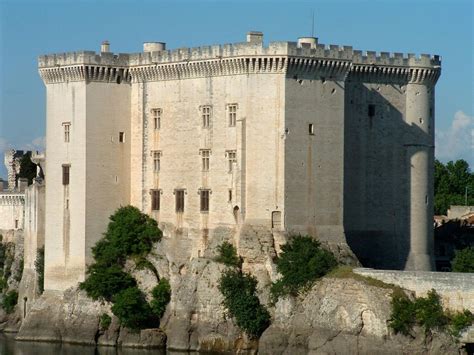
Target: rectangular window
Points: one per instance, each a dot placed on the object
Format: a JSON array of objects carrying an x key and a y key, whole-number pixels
[
  {"x": 230, "y": 195},
  {"x": 156, "y": 112},
  {"x": 156, "y": 160},
  {"x": 205, "y": 154},
  {"x": 179, "y": 194},
  {"x": 155, "y": 200},
  {"x": 371, "y": 110},
  {"x": 206, "y": 116},
  {"x": 66, "y": 174},
  {"x": 121, "y": 137},
  {"x": 311, "y": 129},
  {"x": 16, "y": 224},
  {"x": 232, "y": 115},
  {"x": 204, "y": 200},
  {"x": 232, "y": 159},
  {"x": 67, "y": 131}
]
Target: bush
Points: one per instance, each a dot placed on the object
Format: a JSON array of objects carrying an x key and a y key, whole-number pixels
[
  {"x": 103, "y": 282},
  {"x": 459, "y": 321},
  {"x": 302, "y": 262},
  {"x": 402, "y": 318},
  {"x": 39, "y": 267},
  {"x": 241, "y": 301},
  {"x": 429, "y": 311},
  {"x": 463, "y": 260},
  {"x": 228, "y": 255},
  {"x": 131, "y": 308},
  {"x": 105, "y": 321},
  {"x": 3, "y": 284},
  {"x": 9, "y": 301},
  {"x": 19, "y": 273},
  {"x": 161, "y": 297}
]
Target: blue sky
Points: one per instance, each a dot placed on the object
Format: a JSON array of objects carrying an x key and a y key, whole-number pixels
[{"x": 32, "y": 28}]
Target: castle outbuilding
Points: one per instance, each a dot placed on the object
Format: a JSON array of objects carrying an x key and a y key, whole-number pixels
[{"x": 294, "y": 137}]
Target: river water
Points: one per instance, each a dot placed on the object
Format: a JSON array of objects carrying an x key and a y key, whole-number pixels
[{"x": 8, "y": 346}]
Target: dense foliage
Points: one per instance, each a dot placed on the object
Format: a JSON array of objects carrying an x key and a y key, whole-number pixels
[
  {"x": 27, "y": 168},
  {"x": 451, "y": 181},
  {"x": 228, "y": 255},
  {"x": 130, "y": 233},
  {"x": 9, "y": 301},
  {"x": 301, "y": 262},
  {"x": 463, "y": 260},
  {"x": 426, "y": 312},
  {"x": 39, "y": 267},
  {"x": 161, "y": 294},
  {"x": 240, "y": 299},
  {"x": 105, "y": 321}
]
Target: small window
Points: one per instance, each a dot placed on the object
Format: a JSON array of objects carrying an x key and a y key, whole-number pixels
[
  {"x": 66, "y": 174},
  {"x": 230, "y": 195},
  {"x": 156, "y": 160},
  {"x": 232, "y": 115},
  {"x": 179, "y": 195},
  {"x": 204, "y": 200},
  {"x": 206, "y": 116},
  {"x": 156, "y": 112},
  {"x": 311, "y": 129},
  {"x": 16, "y": 224},
  {"x": 155, "y": 200},
  {"x": 67, "y": 131},
  {"x": 205, "y": 154},
  {"x": 371, "y": 110},
  {"x": 232, "y": 159},
  {"x": 121, "y": 137}
]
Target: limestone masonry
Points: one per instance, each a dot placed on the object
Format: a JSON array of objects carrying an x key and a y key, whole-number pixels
[{"x": 295, "y": 137}]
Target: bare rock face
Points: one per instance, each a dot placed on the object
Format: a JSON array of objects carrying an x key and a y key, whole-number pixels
[
  {"x": 146, "y": 338},
  {"x": 343, "y": 316}
]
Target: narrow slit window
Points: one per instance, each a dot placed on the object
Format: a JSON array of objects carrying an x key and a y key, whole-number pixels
[
  {"x": 311, "y": 129},
  {"x": 179, "y": 195},
  {"x": 156, "y": 118},
  {"x": 230, "y": 195},
  {"x": 371, "y": 110},
  {"x": 121, "y": 137},
  {"x": 67, "y": 132},
  {"x": 66, "y": 169},
  {"x": 205, "y": 156},
  {"x": 204, "y": 200},
  {"x": 155, "y": 200},
  {"x": 231, "y": 159},
  {"x": 232, "y": 115},
  {"x": 156, "y": 160},
  {"x": 206, "y": 116}
]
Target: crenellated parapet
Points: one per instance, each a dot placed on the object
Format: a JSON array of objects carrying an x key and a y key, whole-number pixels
[
  {"x": 290, "y": 58},
  {"x": 12, "y": 199}
]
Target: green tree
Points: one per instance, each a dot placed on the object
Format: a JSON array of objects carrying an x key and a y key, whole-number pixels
[
  {"x": 451, "y": 181},
  {"x": 463, "y": 260},
  {"x": 161, "y": 297},
  {"x": 228, "y": 255},
  {"x": 301, "y": 262},
  {"x": 131, "y": 308},
  {"x": 27, "y": 168}
]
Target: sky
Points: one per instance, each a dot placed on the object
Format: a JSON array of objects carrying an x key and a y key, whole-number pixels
[{"x": 31, "y": 28}]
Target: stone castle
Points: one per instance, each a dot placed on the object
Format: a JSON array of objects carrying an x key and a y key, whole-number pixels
[{"x": 293, "y": 137}]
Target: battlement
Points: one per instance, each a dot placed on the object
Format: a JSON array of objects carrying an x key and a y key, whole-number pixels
[{"x": 241, "y": 49}]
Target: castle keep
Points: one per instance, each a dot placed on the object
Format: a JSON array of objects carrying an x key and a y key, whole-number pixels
[{"x": 293, "y": 137}]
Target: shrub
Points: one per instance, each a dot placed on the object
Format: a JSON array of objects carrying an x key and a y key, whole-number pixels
[
  {"x": 131, "y": 308},
  {"x": 39, "y": 267},
  {"x": 228, "y": 255},
  {"x": 105, "y": 321},
  {"x": 161, "y": 297},
  {"x": 429, "y": 311},
  {"x": 302, "y": 262},
  {"x": 463, "y": 260},
  {"x": 460, "y": 321},
  {"x": 9, "y": 301},
  {"x": 402, "y": 318},
  {"x": 241, "y": 301},
  {"x": 3, "y": 284},
  {"x": 106, "y": 281},
  {"x": 19, "y": 273}
]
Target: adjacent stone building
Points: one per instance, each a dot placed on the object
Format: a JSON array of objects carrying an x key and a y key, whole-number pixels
[{"x": 293, "y": 137}]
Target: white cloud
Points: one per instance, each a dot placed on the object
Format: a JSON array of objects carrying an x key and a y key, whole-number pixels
[
  {"x": 457, "y": 142},
  {"x": 4, "y": 145},
  {"x": 38, "y": 143}
]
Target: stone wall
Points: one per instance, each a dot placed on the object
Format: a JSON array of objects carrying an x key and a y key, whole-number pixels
[
  {"x": 455, "y": 289},
  {"x": 12, "y": 206}
]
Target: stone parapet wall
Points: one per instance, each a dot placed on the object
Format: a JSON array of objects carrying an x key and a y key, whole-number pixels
[{"x": 455, "y": 289}]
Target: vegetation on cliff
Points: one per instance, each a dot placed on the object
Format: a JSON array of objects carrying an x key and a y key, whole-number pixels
[
  {"x": 10, "y": 300},
  {"x": 161, "y": 294},
  {"x": 39, "y": 267},
  {"x": 428, "y": 313},
  {"x": 463, "y": 260},
  {"x": 301, "y": 262},
  {"x": 130, "y": 234},
  {"x": 451, "y": 181},
  {"x": 240, "y": 294}
]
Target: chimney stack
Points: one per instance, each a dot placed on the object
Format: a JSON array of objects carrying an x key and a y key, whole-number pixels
[
  {"x": 154, "y": 46},
  {"x": 255, "y": 37},
  {"x": 105, "y": 47}
]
